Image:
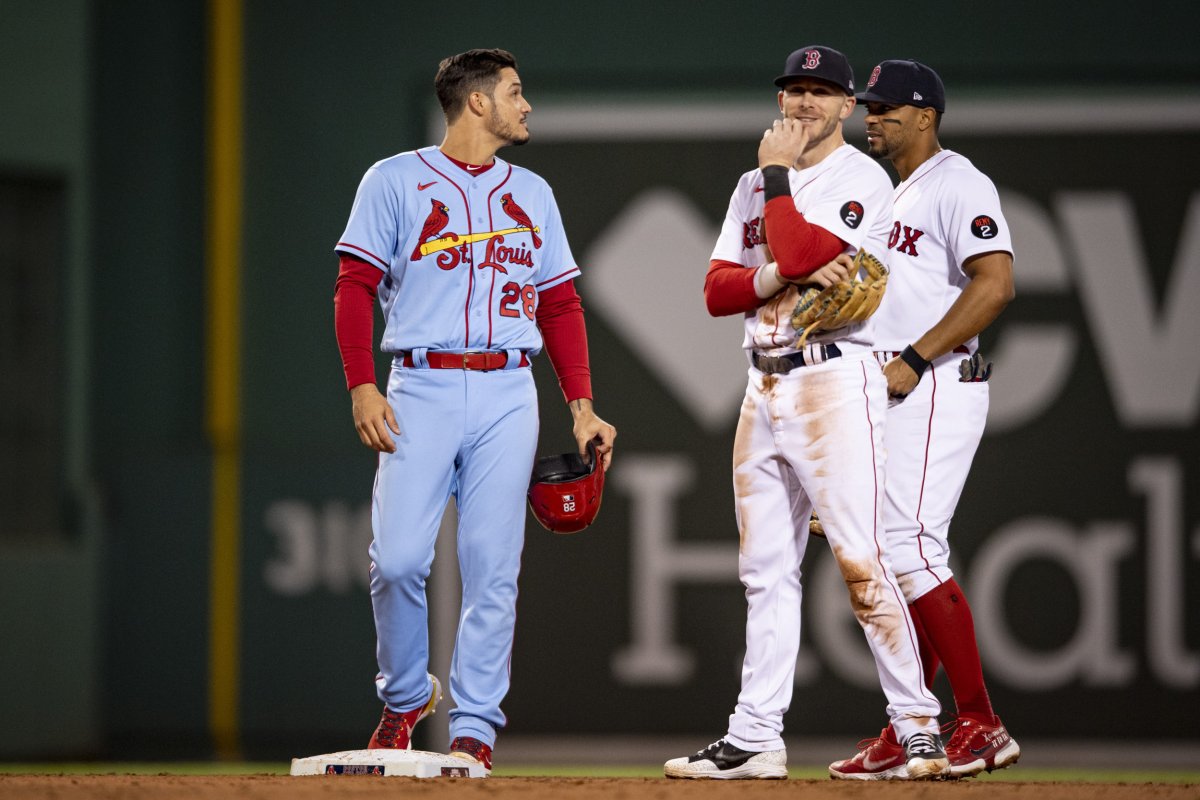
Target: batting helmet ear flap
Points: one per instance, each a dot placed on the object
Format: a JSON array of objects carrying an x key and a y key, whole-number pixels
[{"x": 565, "y": 491}]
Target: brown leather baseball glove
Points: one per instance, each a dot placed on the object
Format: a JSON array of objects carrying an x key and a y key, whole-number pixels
[{"x": 845, "y": 302}]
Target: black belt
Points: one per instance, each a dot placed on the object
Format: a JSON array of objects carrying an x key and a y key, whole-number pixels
[{"x": 782, "y": 365}]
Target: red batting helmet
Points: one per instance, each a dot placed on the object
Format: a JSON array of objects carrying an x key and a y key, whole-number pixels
[{"x": 564, "y": 491}]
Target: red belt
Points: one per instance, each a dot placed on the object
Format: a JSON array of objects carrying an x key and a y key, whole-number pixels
[{"x": 483, "y": 360}]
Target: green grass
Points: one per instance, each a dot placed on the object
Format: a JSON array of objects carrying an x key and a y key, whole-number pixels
[{"x": 1020, "y": 774}]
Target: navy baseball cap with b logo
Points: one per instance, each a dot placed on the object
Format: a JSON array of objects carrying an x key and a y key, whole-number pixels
[
  {"x": 823, "y": 63},
  {"x": 905, "y": 83}
]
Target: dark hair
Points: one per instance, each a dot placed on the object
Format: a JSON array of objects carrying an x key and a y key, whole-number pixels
[{"x": 472, "y": 71}]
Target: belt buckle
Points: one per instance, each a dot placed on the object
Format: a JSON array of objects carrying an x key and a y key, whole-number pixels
[
  {"x": 487, "y": 360},
  {"x": 774, "y": 365}
]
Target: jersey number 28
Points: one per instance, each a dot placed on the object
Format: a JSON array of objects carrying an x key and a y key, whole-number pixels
[{"x": 525, "y": 295}]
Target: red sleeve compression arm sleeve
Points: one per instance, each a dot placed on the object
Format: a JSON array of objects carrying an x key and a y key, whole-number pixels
[
  {"x": 560, "y": 318},
  {"x": 354, "y": 317},
  {"x": 800, "y": 248},
  {"x": 729, "y": 289}
]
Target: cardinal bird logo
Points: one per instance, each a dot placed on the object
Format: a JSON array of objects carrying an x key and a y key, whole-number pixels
[
  {"x": 434, "y": 223},
  {"x": 519, "y": 216}
]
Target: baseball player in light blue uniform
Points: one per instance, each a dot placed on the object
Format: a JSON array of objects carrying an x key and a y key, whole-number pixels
[{"x": 464, "y": 246}]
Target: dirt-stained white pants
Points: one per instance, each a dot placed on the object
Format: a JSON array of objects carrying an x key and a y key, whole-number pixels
[{"x": 814, "y": 438}]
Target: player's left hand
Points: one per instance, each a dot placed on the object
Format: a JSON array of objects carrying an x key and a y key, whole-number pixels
[
  {"x": 900, "y": 378},
  {"x": 589, "y": 427},
  {"x": 782, "y": 144},
  {"x": 835, "y": 271}
]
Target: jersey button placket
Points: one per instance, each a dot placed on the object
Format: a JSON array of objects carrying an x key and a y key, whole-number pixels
[{"x": 481, "y": 298}]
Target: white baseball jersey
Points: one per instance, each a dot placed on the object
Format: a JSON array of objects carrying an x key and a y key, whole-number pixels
[
  {"x": 847, "y": 194},
  {"x": 812, "y": 438},
  {"x": 946, "y": 212},
  {"x": 464, "y": 257}
]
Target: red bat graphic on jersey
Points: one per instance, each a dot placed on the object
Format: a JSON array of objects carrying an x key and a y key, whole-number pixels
[
  {"x": 437, "y": 219},
  {"x": 519, "y": 216}
]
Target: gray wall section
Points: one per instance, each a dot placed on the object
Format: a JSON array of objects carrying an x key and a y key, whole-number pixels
[{"x": 116, "y": 104}]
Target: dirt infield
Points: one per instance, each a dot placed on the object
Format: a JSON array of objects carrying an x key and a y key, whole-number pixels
[{"x": 273, "y": 787}]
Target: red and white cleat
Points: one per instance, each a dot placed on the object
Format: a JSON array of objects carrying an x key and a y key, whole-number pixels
[
  {"x": 976, "y": 746},
  {"x": 921, "y": 757},
  {"x": 394, "y": 731},
  {"x": 468, "y": 747}
]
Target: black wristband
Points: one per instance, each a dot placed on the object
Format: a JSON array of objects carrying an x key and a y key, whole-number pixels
[
  {"x": 775, "y": 182},
  {"x": 914, "y": 361}
]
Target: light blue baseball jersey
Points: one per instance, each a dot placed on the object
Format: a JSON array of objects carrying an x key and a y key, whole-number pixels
[{"x": 464, "y": 256}]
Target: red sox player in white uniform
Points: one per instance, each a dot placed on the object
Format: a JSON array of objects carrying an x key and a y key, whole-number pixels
[
  {"x": 810, "y": 432},
  {"x": 951, "y": 274}
]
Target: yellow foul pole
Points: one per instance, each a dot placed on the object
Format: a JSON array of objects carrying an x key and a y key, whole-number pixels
[{"x": 223, "y": 402}]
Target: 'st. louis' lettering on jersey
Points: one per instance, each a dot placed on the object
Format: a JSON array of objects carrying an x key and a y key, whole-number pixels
[{"x": 472, "y": 251}]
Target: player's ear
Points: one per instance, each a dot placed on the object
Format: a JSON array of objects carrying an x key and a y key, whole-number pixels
[
  {"x": 477, "y": 103},
  {"x": 848, "y": 107},
  {"x": 780, "y": 99}
]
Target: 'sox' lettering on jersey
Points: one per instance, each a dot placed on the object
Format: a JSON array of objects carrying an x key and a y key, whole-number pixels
[
  {"x": 497, "y": 254},
  {"x": 984, "y": 227},
  {"x": 753, "y": 233},
  {"x": 911, "y": 235}
]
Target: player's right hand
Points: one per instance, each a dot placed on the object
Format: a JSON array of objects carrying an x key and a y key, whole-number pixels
[
  {"x": 901, "y": 379},
  {"x": 373, "y": 418},
  {"x": 834, "y": 272},
  {"x": 782, "y": 144}
]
